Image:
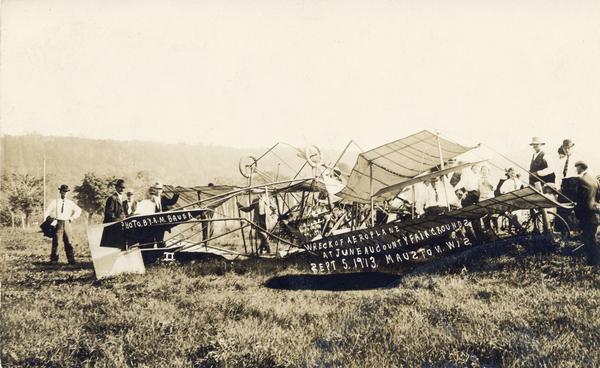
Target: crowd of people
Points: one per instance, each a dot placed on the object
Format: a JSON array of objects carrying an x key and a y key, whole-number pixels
[
  {"x": 563, "y": 176},
  {"x": 119, "y": 205},
  {"x": 460, "y": 188}
]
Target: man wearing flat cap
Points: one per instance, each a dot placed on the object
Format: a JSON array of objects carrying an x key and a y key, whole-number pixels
[
  {"x": 114, "y": 210},
  {"x": 587, "y": 211},
  {"x": 63, "y": 211},
  {"x": 539, "y": 169}
]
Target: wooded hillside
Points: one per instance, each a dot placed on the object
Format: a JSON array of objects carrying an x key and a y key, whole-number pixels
[{"x": 68, "y": 158}]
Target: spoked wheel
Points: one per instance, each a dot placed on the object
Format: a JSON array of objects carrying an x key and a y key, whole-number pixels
[
  {"x": 313, "y": 155},
  {"x": 559, "y": 229},
  {"x": 508, "y": 225},
  {"x": 247, "y": 166}
]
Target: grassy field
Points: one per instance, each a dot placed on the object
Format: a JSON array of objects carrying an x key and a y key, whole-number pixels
[{"x": 517, "y": 309}]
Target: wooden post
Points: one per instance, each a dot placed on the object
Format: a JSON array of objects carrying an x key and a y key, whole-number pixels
[
  {"x": 44, "y": 181},
  {"x": 414, "y": 202},
  {"x": 439, "y": 144},
  {"x": 546, "y": 224},
  {"x": 371, "y": 193}
]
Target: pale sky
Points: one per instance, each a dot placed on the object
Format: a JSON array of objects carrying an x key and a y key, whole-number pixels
[{"x": 250, "y": 73}]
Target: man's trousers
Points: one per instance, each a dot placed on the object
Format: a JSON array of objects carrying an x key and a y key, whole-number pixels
[{"x": 63, "y": 231}]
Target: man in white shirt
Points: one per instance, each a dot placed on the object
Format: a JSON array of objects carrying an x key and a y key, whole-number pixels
[
  {"x": 261, "y": 208},
  {"x": 565, "y": 164},
  {"x": 440, "y": 195},
  {"x": 540, "y": 169},
  {"x": 567, "y": 180},
  {"x": 415, "y": 195},
  {"x": 487, "y": 183},
  {"x": 163, "y": 203},
  {"x": 63, "y": 210},
  {"x": 469, "y": 184}
]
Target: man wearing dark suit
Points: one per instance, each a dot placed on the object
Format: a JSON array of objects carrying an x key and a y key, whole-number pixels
[
  {"x": 114, "y": 211},
  {"x": 587, "y": 211},
  {"x": 539, "y": 170}
]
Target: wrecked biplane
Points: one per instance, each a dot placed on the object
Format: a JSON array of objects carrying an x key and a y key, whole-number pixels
[{"x": 312, "y": 202}]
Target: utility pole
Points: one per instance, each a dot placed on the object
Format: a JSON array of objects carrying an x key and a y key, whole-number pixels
[{"x": 44, "y": 181}]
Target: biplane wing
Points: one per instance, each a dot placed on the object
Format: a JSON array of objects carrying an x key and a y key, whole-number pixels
[
  {"x": 112, "y": 261},
  {"x": 522, "y": 199},
  {"x": 396, "y": 162}
]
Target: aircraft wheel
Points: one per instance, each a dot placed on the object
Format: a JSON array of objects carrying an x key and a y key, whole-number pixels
[
  {"x": 313, "y": 155},
  {"x": 247, "y": 166}
]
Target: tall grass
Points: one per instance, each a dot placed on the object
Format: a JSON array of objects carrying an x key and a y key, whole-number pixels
[{"x": 521, "y": 309}]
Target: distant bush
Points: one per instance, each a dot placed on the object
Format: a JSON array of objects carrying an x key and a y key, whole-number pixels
[
  {"x": 92, "y": 193},
  {"x": 22, "y": 194}
]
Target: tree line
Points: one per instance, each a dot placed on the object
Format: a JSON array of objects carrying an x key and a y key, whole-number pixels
[{"x": 22, "y": 195}]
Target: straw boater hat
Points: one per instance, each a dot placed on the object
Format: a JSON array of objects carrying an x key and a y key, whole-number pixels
[
  {"x": 157, "y": 185},
  {"x": 536, "y": 140}
]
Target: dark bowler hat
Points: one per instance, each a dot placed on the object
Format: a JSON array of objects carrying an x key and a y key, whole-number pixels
[
  {"x": 568, "y": 143},
  {"x": 581, "y": 164},
  {"x": 120, "y": 183},
  {"x": 64, "y": 188}
]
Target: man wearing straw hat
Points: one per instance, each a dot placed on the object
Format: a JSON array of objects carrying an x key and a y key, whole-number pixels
[
  {"x": 539, "y": 170},
  {"x": 162, "y": 203},
  {"x": 63, "y": 211}
]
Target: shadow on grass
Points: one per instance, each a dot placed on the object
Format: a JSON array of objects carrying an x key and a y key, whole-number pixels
[
  {"x": 334, "y": 282},
  {"x": 48, "y": 266}
]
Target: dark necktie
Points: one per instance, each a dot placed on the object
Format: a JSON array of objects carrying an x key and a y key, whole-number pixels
[
  {"x": 566, "y": 166},
  {"x": 437, "y": 196},
  {"x": 62, "y": 208}
]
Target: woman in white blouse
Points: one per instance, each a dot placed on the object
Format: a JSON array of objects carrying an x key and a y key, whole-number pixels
[{"x": 512, "y": 183}]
